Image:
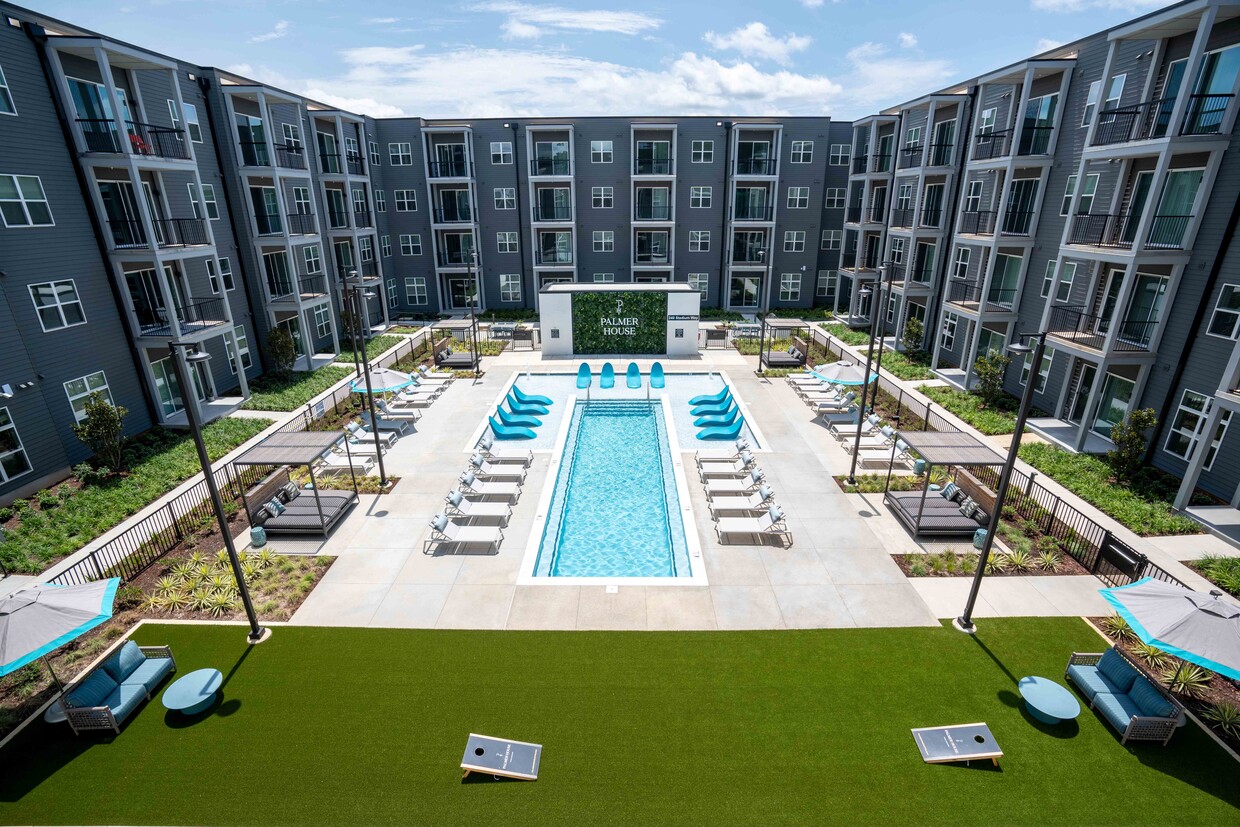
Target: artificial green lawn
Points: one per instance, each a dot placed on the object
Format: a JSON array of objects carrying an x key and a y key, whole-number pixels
[
  {"x": 290, "y": 392},
  {"x": 335, "y": 726}
]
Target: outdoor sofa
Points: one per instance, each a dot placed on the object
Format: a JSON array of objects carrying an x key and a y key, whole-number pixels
[
  {"x": 790, "y": 358},
  {"x": 449, "y": 359},
  {"x": 1138, "y": 708},
  {"x": 300, "y": 512},
  {"x": 110, "y": 692}
]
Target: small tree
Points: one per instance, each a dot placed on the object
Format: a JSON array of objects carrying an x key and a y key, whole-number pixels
[
  {"x": 103, "y": 431},
  {"x": 1130, "y": 437},
  {"x": 281, "y": 350},
  {"x": 989, "y": 369},
  {"x": 914, "y": 332}
]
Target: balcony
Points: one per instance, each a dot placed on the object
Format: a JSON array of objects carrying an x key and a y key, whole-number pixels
[
  {"x": 753, "y": 212},
  {"x": 1035, "y": 140},
  {"x": 876, "y": 215},
  {"x": 355, "y": 164},
  {"x": 550, "y": 166},
  {"x": 565, "y": 213},
  {"x": 198, "y": 315},
  {"x": 1016, "y": 222},
  {"x": 268, "y": 223},
  {"x": 978, "y": 222},
  {"x": 143, "y": 140},
  {"x": 941, "y": 155},
  {"x": 557, "y": 257},
  {"x": 651, "y": 257},
  {"x": 301, "y": 223},
  {"x": 169, "y": 232},
  {"x": 756, "y": 166},
  {"x": 969, "y": 294},
  {"x": 290, "y": 157},
  {"x": 329, "y": 163},
  {"x": 1152, "y": 119},
  {"x": 362, "y": 218},
  {"x": 1087, "y": 330},
  {"x": 455, "y": 258},
  {"x": 902, "y": 217},
  {"x": 990, "y": 145},
  {"x": 453, "y": 215},
  {"x": 851, "y": 261},
  {"x": 1119, "y": 231},
  {"x": 450, "y": 169},
  {"x": 279, "y": 288},
  {"x": 312, "y": 286},
  {"x": 858, "y": 165},
  {"x": 910, "y": 156},
  {"x": 338, "y": 219},
  {"x": 744, "y": 252},
  {"x": 880, "y": 163},
  {"x": 652, "y": 166},
  {"x": 254, "y": 154},
  {"x": 932, "y": 217}
]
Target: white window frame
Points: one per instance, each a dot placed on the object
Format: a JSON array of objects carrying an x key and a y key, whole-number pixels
[
  {"x": 1067, "y": 275},
  {"x": 241, "y": 341},
  {"x": 1069, "y": 190},
  {"x": 699, "y": 241},
  {"x": 292, "y": 135},
  {"x": 1089, "y": 191},
  {"x": 365, "y": 248},
  {"x": 604, "y": 278},
  {"x": 987, "y": 123},
  {"x": 834, "y": 198},
  {"x": 912, "y": 137},
  {"x": 410, "y": 244},
  {"x": 24, "y": 202},
  {"x": 406, "y": 200},
  {"x": 226, "y": 274},
  {"x": 798, "y": 198},
  {"x": 385, "y": 246},
  {"x": 510, "y": 287},
  {"x": 7, "y": 105},
  {"x": 1191, "y": 435},
  {"x": 840, "y": 155},
  {"x": 1044, "y": 369},
  {"x": 415, "y": 290},
  {"x": 1223, "y": 312},
  {"x": 794, "y": 241},
  {"x": 789, "y": 287},
  {"x": 602, "y": 152},
  {"x": 898, "y": 246},
  {"x": 604, "y": 241},
  {"x": 209, "y": 202},
  {"x": 322, "y": 320},
  {"x": 702, "y": 152},
  {"x": 375, "y": 158},
  {"x": 832, "y": 239},
  {"x": 602, "y": 198},
  {"x": 1048, "y": 278},
  {"x": 947, "y": 332},
  {"x": 7, "y": 424},
  {"x": 802, "y": 152},
  {"x": 973, "y": 198},
  {"x": 380, "y": 201},
  {"x": 700, "y": 197},
  {"x": 400, "y": 154},
  {"x": 507, "y": 241},
  {"x": 393, "y": 297},
  {"x": 1115, "y": 91},
  {"x": 501, "y": 152},
  {"x": 58, "y": 304},
  {"x": 700, "y": 282},
  {"x": 828, "y": 283},
  {"x": 313, "y": 258},
  {"x": 505, "y": 198},
  {"x": 1091, "y": 101},
  {"x": 960, "y": 265},
  {"x": 102, "y": 387}
]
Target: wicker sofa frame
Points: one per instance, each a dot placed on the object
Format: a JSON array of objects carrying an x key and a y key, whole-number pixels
[
  {"x": 1140, "y": 727},
  {"x": 85, "y": 718}
]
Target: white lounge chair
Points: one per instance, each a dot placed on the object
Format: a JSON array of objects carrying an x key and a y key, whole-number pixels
[
  {"x": 417, "y": 389},
  {"x": 739, "y": 485},
  {"x": 756, "y": 502},
  {"x": 333, "y": 463},
  {"x": 427, "y": 373},
  {"x": 446, "y": 532},
  {"x": 705, "y": 454},
  {"x": 770, "y": 524},
  {"x": 883, "y": 454},
  {"x": 516, "y": 458},
  {"x": 478, "y": 510},
  {"x": 504, "y": 490},
  {"x": 386, "y": 425},
  {"x": 358, "y": 434},
  {"x": 724, "y": 468},
  {"x": 831, "y": 405},
  {"x": 488, "y": 449},
  {"x": 881, "y": 440},
  {"x": 494, "y": 471},
  {"x": 805, "y": 389},
  {"x": 389, "y": 412}
]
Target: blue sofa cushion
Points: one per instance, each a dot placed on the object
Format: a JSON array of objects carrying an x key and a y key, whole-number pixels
[
  {"x": 1091, "y": 681},
  {"x": 1117, "y": 709},
  {"x": 1150, "y": 700},
  {"x": 123, "y": 661},
  {"x": 150, "y": 673},
  {"x": 94, "y": 690},
  {"x": 125, "y": 700},
  {"x": 1119, "y": 671}
]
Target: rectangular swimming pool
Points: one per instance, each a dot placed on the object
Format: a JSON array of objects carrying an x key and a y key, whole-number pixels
[{"x": 615, "y": 510}]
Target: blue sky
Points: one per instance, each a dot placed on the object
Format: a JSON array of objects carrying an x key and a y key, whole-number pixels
[{"x": 845, "y": 58}]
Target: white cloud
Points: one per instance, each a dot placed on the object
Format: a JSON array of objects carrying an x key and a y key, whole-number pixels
[
  {"x": 755, "y": 40},
  {"x": 280, "y": 30},
  {"x": 907, "y": 40},
  {"x": 526, "y": 20},
  {"x": 1066, "y": 6},
  {"x": 380, "y": 21},
  {"x": 1045, "y": 44},
  {"x": 811, "y": 4},
  {"x": 873, "y": 83}
]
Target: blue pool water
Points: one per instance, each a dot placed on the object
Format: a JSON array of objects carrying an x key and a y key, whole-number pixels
[{"x": 614, "y": 511}]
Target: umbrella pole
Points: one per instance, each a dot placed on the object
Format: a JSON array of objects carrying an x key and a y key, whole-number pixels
[{"x": 60, "y": 687}]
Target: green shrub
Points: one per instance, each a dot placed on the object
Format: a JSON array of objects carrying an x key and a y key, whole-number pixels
[
  {"x": 1225, "y": 716},
  {"x": 48, "y": 499},
  {"x": 128, "y": 597},
  {"x": 1118, "y": 628},
  {"x": 1020, "y": 560},
  {"x": 1187, "y": 679},
  {"x": 375, "y": 347},
  {"x": 914, "y": 333},
  {"x": 103, "y": 430},
  {"x": 1049, "y": 559},
  {"x": 1224, "y": 572},
  {"x": 1154, "y": 657},
  {"x": 990, "y": 368},
  {"x": 288, "y": 392},
  {"x": 970, "y": 407},
  {"x": 6, "y": 514},
  {"x": 281, "y": 351},
  {"x": 1131, "y": 437}
]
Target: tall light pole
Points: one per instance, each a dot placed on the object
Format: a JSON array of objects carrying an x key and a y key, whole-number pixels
[
  {"x": 472, "y": 262},
  {"x": 876, "y": 324},
  {"x": 183, "y": 355},
  {"x": 360, "y": 294},
  {"x": 864, "y": 292},
  {"x": 349, "y": 313},
  {"x": 886, "y": 276},
  {"x": 965, "y": 622}
]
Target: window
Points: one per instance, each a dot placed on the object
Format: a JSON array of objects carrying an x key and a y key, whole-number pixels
[
  {"x": 700, "y": 281},
  {"x": 301, "y": 200},
  {"x": 57, "y": 304},
  {"x": 600, "y": 152},
  {"x": 23, "y": 203},
  {"x": 208, "y": 200},
  {"x": 973, "y": 201},
  {"x": 602, "y": 198},
  {"x": 604, "y": 241},
  {"x": 827, "y": 281},
  {"x": 892, "y": 304},
  {"x": 292, "y": 136},
  {"x": 1114, "y": 92},
  {"x": 501, "y": 152},
  {"x": 699, "y": 197},
  {"x": 505, "y": 198},
  {"x": 831, "y": 239},
  {"x": 960, "y": 267},
  {"x": 1187, "y": 424},
  {"x": 834, "y": 198},
  {"x": 1085, "y": 204},
  {"x": 802, "y": 152},
  {"x": 510, "y": 287},
  {"x": 13, "y": 460},
  {"x": 604, "y": 278},
  {"x": 392, "y": 298},
  {"x": 194, "y": 203},
  {"x": 699, "y": 241},
  {"x": 789, "y": 287},
  {"x": 406, "y": 200},
  {"x": 79, "y": 391},
  {"x": 385, "y": 246},
  {"x": 1225, "y": 321},
  {"x": 366, "y": 246},
  {"x": 351, "y": 152},
  {"x": 947, "y": 336},
  {"x": 987, "y": 124},
  {"x": 840, "y": 155},
  {"x": 794, "y": 241},
  {"x": 400, "y": 154},
  {"x": 226, "y": 274},
  {"x": 375, "y": 158},
  {"x": 174, "y": 114},
  {"x": 897, "y": 250},
  {"x": 904, "y": 197},
  {"x": 1091, "y": 101},
  {"x": 1044, "y": 369},
  {"x": 507, "y": 242},
  {"x": 798, "y": 198},
  {"x": 1068, "y": 191},
  {"x": 411, "y": 245},
  {"x": 1066, "y": 276},
  {"x": 314, "y": 261},
  {"x": 912, "y": 137},
  {"x": 415, "y": 290},
  {"x": 322, "y": 321},
  {"x": 702, "y": 152},
  {"x": 1048, "y": 278},
  {"x": 380, "y": 201},
  {"x": 237, "y": 339},
  {"x": 7, "y": 107}
]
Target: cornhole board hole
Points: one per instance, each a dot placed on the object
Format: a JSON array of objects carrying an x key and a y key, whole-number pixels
[
  {"x": 501, "y": 757},
  {"x": 960, "y": 742}
]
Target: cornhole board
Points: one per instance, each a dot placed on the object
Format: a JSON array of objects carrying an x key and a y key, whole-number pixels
[
  {"x": 960, "y": 742},
  {"x": 501, "y": 757}
]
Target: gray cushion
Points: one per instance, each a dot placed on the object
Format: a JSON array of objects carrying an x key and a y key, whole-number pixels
[
  {"x": 1117, "y": 709},
  {"x": 1119, "y": 671},
  {"x": 94, "y": 690},
  {"x": 1091, "y": 681}
]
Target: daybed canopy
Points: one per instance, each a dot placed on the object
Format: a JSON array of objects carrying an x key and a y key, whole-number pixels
[{"x": 937, "y": 515}]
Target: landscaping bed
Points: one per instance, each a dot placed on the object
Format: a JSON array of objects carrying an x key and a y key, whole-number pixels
[
  {"x": 875, "y": 483},
  {"x": 1002, "y": 563},
  {"x": 1142, "y": 505},
  {"x": 1223, "y": 572},
  {"x": 368, "y": 484},
  {"x": 972, "y": 409},
  {"x": 289, "y": 392},
  {"x": 56, "y": 522},
  {"x": 374, "y": 348}
]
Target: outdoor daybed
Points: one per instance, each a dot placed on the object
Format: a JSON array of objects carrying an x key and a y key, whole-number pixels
[
  {"x": 1137, "y": 707},
  {"x": 299, "y": 512},
  {"x": 451, "y": 359},
  {"x": 110, "y": 692},
  {"x": 937, "y": 516},
  {"x": 790, "y": 358}
]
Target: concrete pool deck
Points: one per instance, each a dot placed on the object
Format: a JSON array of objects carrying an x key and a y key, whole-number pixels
[{"x": 839, "y": 573}]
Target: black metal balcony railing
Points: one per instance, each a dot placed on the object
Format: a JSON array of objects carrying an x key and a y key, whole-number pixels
[
  {"x": 355, "y": 164},
  {"x": 1203, "y": 115},
  {"x": 545, "y": 213},
  {"x": 1002, "y": 297},
  {"x": 902, "y": 217},
  {"x": 748, "y": 253},
  {"x": 932, "y": 217},
  {"x": 978, "y": 222},
  {"x": 338, "y": 219},
  {"x": 301, "y": 223},
  {"x": 181, "y": 232},
  {"x": 858, "y": 165},
  {"x": 1016, "y": 222},
  {"x": 922, "y": 276},
  {"x": 992, "y": 144},
  {"x": 362, "y": 218},
  {"x": 279, "y": 288},
  {"x": 1089, "y": 330},
  {"x": 196, "y": 315},
  {"x": 1035, "y": 140},
  {"x": 880, "y": 163},
  {"x": 853, "y": 214},
  {"x": 848, "y": 261},
  {"x": 455, "y": 215},
  {"x": 313, "y": 285},
  {"x": 1167, "y": 232},
  {"x": 102, "y": 135},
  {"x": 941, "y": 154},
  {"x": 290, "y": 156},
  {"x": 964, "y": 292},
  {"x": 255, "y": 154},
  {"x": 754, "y": 212},
  {"x": 126, "y": 234},
  {"x": 449, "y": 169},
  {"x": 268, "y": 223},
  {"x": 755, "y": 166},
  {"x": 558, "y": 256},
  {"x": 652, "y": 166},
  {"x": 910, "y": 156},
  {"x": 852, "y": 261},
  {"x": 454, "y": 258},
  {"x": 876, "y": 214},
  {"x": 1102, "y": 230},
  {"x": 550, "y": 166},
  {"x": 329, "y": 163}
]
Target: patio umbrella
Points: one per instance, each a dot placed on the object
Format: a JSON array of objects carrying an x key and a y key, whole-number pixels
[
  {"x": 843, "y": 373},
  {"x": 1199, "y": 628},
  {"x": 42, "y": 618},
  {"x": 383, "y": 380}
]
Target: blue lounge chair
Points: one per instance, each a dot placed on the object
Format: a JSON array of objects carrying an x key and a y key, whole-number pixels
[
  {"x": 513, "y": 421},
  {"x": 712, "y": 420},
  {"x": 712, "y": 407},
  {"x": 531, "y": 398},
  {"x": 656, "y": 375},
  {"x": 607, "y": 379},
  {"x": 584, "y": 377},
  {"x": 723, "y": 431},
  {"x": 710, "y": 397},
  {"x": 521, "y": 409},
  {"x": 502, "y": 431},
  {"x": 633, "y": 376}
]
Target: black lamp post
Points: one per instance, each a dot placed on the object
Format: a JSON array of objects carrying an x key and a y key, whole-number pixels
[
  {"x": 876, "y": 332},
  {"x": 886, "y": 275},
  {"x": 965, "y": 622},
  {"x": 349, "y": 313},
  {"x": 360, "y": 294},
  {"x": 472, "y": 262},
  {"x": 191, "y": 355}
]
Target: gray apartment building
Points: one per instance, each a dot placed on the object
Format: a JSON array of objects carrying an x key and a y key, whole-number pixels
[{"x": 1089, "y": 192}]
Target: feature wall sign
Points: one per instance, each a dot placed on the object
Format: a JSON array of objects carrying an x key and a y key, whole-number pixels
[{"x": 620, "y": 322}]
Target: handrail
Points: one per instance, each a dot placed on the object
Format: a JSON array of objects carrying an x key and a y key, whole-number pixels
[{"x": 141, "y": 139}]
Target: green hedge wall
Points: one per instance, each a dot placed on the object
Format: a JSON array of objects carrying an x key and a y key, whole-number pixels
[{"x": 592, "y": 335}]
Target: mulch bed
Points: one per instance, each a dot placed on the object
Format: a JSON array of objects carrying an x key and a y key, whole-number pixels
[{"x": 1068, "y": 567}]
